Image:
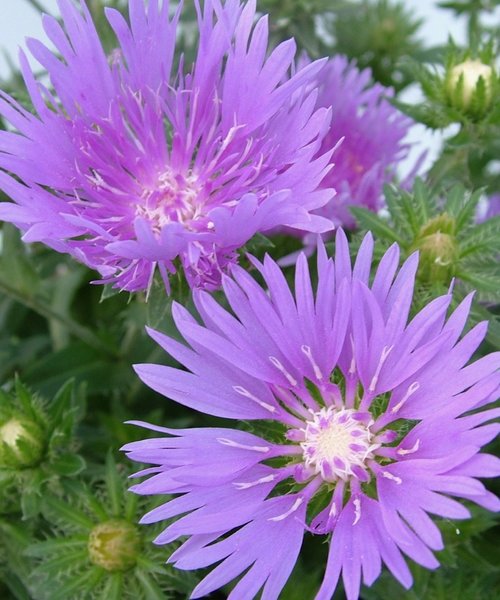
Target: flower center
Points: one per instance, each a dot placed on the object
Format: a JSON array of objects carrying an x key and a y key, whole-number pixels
[
  {"x": 338, "y": 443},
  {"x": 175, "y": 198}
]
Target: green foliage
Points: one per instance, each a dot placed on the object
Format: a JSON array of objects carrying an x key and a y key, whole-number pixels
[
  {"x": 378, "y": 35},
  {"x": 96, "y": 548},
  {"x": 37, "y": 445},
  {"x": 442, "y": 227},
  {"x": 470, "y": 568},
  {"x": 463, "y": 94},
  {"x": 62, "y": 497}
]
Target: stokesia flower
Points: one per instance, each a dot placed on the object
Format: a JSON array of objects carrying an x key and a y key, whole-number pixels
[
  {"x": 370, "y": 420},
  {"x": 373, "y": 132},
  {"x": 131, "y": 163}
]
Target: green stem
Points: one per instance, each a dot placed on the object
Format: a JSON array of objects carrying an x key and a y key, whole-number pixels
[
  {"x": 37, "y": 6},
  {"x": 84, "y": 334}
]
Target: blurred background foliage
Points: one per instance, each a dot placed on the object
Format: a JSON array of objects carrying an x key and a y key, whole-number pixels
[{"x": 66, "y": 347}]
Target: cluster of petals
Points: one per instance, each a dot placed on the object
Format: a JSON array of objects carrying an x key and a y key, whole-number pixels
[
  {"x": 374, "y": 421},
  {"x": 134, "y": 162},
  {"x": 372, "y": 133}
]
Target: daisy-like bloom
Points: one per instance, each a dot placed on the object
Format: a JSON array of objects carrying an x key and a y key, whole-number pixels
[
  {"x": 373, "y": 132},
  {"x": 131, "y": 162},
  {"x": 371, "y": 423}
]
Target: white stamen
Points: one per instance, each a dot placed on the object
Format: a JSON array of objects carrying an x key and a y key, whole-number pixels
[
  {"x": 411, "y": 390},
  {"x": 281, "y": 368},
  {"x": 245, "y": 486},
  {"x": 357, "y": 510},
  {"x": 392, "y": 477},
  {"x": 411, "y": 450},
  {"x": 352, "y": 368},
  {"x": 385, "y": 353},
  {"x": 317, "y": 371},
  {"x": 244, "y": 392},
  {"x": 295, "y": 506},
  {"x": 234, "y": 444},
  {"x": 335, "y": 442}
]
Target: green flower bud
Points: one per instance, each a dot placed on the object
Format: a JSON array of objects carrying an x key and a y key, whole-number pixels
[
  {"x": 114, "y": 545},
  {"x": 469, "y": 87},
  {"x": 21, "y": 443},
  {"x": 438, "y": 249}
]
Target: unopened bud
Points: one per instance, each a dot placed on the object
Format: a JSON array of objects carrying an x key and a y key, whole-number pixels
[
  {"x": 21, "y": 443},
  {"x": 464, "y": 87},
  {"x": 114, "y": 545},
  {"x": 438, "y": 249}
]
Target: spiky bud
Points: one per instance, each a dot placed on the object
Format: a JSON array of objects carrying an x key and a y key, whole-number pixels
[{"x": 114, "y": 545}]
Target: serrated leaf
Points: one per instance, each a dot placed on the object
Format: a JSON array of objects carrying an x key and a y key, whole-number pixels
[
  {"x": 56, "y": 546},
  {"x": 467, "y": 214},
  {"x": 484, "y": 280},
  {"x": 151, "y": 589},
  {"x": 65, "y": 513}
]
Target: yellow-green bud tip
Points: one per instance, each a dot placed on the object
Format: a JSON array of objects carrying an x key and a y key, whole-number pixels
[{"x": 114, "y": 545}]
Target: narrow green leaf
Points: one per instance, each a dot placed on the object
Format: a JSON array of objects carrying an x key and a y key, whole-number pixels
[
  {"x": 58, "y": 545},
  {"x": 150, "y": 587},
  {"x": 67, "y": 513},
  {"x": 114, "y": 486},
  {"x": 371, "y": 222},
  {"x": 68, "y": 464}
]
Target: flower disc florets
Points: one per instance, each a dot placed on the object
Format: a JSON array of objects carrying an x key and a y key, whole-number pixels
[
  {"x": 337, "y": 443},
  {"x": 144, "y": 164},
  {"x": 371, "y": 423}
]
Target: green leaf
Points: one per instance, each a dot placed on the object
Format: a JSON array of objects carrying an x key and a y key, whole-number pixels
[
  {"x": 68, "y": 464},
  {"x": 114, "y": 486},
  {"x": 486, "y": 281},
  {"x": 66, "y": 513},
  {"x": 467, "y": 214},
  {"x": 30, "y": 503},
  {"x": 151, "y": 589},
  {"x": 370, "y": 221},
  {"x": 56, "y": 546},
  {"x": 86, "y": 583},
  {"x": 113, "y": 588},
  {"x": 483, "y": 238}
]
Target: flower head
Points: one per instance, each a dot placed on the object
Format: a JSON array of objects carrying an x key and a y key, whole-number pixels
[
  {"x": 371, "y": 419},
  {"x": 131, "y": 163},
  {"x": 372, "y": 133}
]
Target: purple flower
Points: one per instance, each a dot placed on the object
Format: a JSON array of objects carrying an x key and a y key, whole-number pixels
[
  {"x": 370, "y": 416},
  {"x": 373, "y": 133},
  {"x": 131, "y": 163},
  {"x": 493, "y": 209}
]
